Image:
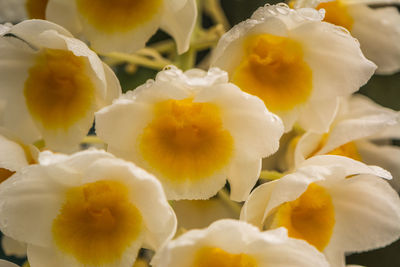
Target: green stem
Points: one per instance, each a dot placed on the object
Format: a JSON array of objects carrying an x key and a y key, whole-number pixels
[
  {"x": 271, "y": 175},
  {"x": 92, "y": 139},
  {"x": 156, "y": 64},
  {"x": 40, "y": 144},
  {"x": 214, "y": 9},
  {"x": 224, "y": 197}
]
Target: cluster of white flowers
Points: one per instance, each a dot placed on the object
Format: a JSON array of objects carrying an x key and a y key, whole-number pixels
[{"x": 187, "y": 148}]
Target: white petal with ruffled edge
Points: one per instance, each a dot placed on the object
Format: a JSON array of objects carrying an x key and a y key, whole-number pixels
[
  {"x": 31, "y": 201},
  {"x": 175, "y": 17},
  {"x": 270, "y": 248},
  {"x": 255, "y": 132},
  {"x": 21, "y": 45},
  {"x": 359, "y": 118},
  {"x": 322, "y": 44},
  {"x": 364, "y": 198}
]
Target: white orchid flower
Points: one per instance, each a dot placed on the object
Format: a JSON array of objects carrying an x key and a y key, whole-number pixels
[
  {"x": 377, "y": 29},
  {"x": 193, "y": 130},
  {"x": 358, "y": 124},
  {"x": 337, "y": 204},
  {"x": 234, "y": 243},
  {"x": 125, "y": 26},
  {"x": 88, "y": 209},
  {"x": 295, "y": 63},
  {"x": 51, "y": 84}
]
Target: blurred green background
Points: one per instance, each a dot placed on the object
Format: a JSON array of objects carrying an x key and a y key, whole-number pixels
[{"x": 385, "y": 90}]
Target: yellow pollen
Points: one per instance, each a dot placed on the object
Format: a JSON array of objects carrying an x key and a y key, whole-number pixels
[
  {"x": 186, "y": 140},
  {"x": 347, "y": 150},
  {"x": 216, "y": 257},
  {"x": 97, "y": 223},
  {"x": 336, "y": 12},
  {"x": 274, "y": 70},
  {"x": 5, "y": 174},
  {"x": 58, "y": 92},
  {"x": 36, "y": 9},
  {"x": 118, "y": 15},
  {"x": 311, "y": 217}
]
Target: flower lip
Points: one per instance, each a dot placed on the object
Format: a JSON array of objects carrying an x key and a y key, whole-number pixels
[
  {"x": 236, "y": 243},
  {"x": 347, "y": 195},
  {"x": 186, "y": 130},
  {"x": 105, "y": 218},
  {"x": 118, "y": 15},
  {"x": 41, "y": 91},
  {"x": 194, "y": 109},
  {"x": 93, "y": 210},
  {"x": 58, "y": 93},
  {"x": 274, "y": 70},
  {"x": 125, "y": 26},
  {"x": 320, "y": 44}
]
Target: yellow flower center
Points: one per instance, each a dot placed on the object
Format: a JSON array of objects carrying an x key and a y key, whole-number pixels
[
  {"x": 36, "y": 9},
  {"x": 186, "y": 140},
  {"x": 347, "y": 150},
  {"x": 274, "y": 70},
  {"x": 216, "y": 257},
  {"x": 58, "y": 92},
  {"x": 311, "y": 217},
  {"x": 336, "y": 12},
  {"x": 97, "y": 223},
  {"x": 118, "y": 15},
  {"x": 5, "y": 174}
]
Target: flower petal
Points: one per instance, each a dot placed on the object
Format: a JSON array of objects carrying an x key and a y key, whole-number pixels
[
  {"x": 242, "y": 176},
  {"x": 34, "y": 195},
  {"x": 370, "y": 26},
  {"x": 145, "y": 191},
  {"x": 270, "y": 195},
  {"x": 388, "y": 157},
  {"x": 323, "y": 43},
  {"x": 367, "y": 213},
  {"x": 323, "y": 113},
  {"x": 179, "y": 22},
  {"x": 347, "y": 166},
  {"x": 64, "y": 13},
  {"x": 239, "y": 124},
  {"x": 12, "y": 155},
  {"x": 4, "y": 263},
  {"x": 272, "y": 248},
  {"x": 12, "y": 247}
]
